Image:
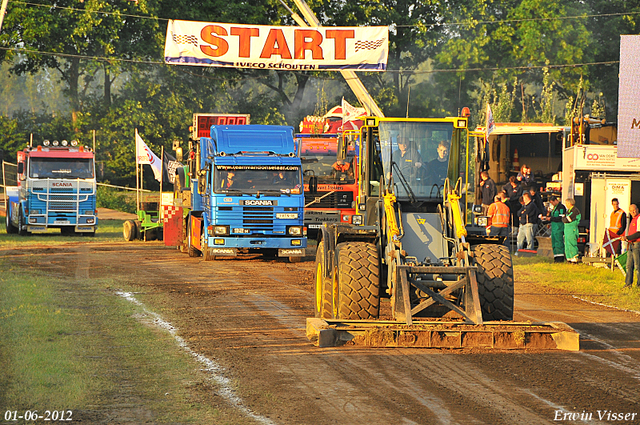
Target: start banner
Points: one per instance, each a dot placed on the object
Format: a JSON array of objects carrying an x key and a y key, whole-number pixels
[
  {"x": 629, "y": 97},
  {"x": 277, "y": 48}
]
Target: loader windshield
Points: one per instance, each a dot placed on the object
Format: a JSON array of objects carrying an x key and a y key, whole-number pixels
[{"x": 415, "y": 156}]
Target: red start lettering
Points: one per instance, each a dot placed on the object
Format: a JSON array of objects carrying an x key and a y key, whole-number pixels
[{"x": 276, "y": 43}]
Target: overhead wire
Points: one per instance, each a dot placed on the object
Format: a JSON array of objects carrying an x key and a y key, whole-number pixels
[{"x": 400, "y": 71}]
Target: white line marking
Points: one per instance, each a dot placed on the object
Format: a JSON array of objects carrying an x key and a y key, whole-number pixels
[{"x": 214, "y": 369}]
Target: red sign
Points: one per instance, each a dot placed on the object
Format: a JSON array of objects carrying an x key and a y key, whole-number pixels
[{"x": 202, "y": 122}]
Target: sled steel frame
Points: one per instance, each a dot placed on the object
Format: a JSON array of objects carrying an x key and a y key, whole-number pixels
[{"x": 470, "y": 309}]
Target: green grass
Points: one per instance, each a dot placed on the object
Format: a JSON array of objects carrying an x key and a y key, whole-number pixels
[
  {"x": 108, "y": 231},
  {"x": 591, "y": 283},
  {"x": 74, "y": 344}
]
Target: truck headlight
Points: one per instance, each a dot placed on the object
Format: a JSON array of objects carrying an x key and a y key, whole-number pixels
[
  {"x": 221, "y": 230},
  {"x": 357, "y": 220},
  {"x": 294, "y": 230},
  {"x": 296, "y": 242}
]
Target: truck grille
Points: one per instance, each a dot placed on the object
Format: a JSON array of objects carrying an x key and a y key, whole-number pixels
[
  {"x": 62, "y": 206},
  {"x": 333, "y": 200}
]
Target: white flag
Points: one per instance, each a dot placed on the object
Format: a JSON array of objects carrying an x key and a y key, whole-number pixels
[
  {"x": 351, "y": 113},
  {"x": 145, "y": 156},
  {"x": 491, "y": 125}
]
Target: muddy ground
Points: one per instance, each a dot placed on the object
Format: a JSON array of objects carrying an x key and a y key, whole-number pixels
[{"x": 248, "y": 316}]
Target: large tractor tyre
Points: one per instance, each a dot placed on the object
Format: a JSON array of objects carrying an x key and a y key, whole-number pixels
[
  {"x": 358, "y": 294},
  {"x": 192, "y": 250},
  {"x": 495, "y": 281},
  {"x": 322, "y": 301},
  {"x": 11, "y": 229},
  {"x": 129, "y": 230}
]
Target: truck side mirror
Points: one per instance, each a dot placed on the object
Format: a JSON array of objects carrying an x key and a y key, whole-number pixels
[
  {"x": 20, "y": 167},
  {"x": 313, "y": 184},
  {"x": 202, "y": 182}
]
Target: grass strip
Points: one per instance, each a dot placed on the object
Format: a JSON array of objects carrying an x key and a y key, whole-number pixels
[
  {"x": 595, "y": 284},
  {"x": 108, "y": 231},
  {"x": 77, "y": 346}
]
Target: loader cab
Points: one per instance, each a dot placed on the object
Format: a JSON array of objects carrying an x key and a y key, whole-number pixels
[{"x": 411, "y": 158}]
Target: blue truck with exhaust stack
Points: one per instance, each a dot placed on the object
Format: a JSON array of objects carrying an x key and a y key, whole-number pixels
[
  {"x": 246, "y": 194},
  {"x": 56, "y": 189}
]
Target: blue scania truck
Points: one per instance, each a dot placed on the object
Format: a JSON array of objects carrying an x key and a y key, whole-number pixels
[
  {"x": 246, "y": 194},
  {"x": 56, "y": 189}
]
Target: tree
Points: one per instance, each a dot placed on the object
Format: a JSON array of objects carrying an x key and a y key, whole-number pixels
[{"x": 68, "y": 33}]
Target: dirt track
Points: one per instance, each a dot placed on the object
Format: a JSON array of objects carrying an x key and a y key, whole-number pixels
[{"x": 248, "y": 315}]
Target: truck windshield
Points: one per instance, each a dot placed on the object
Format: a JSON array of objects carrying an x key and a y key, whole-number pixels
[
  {"x": 60, "y": 168},
  {"x": 325, "y": 166},
  {"x": 252, "y": 179},
  {"x": 416, "y": 156}
]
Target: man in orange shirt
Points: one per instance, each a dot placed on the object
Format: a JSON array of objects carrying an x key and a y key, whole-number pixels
[
  {"x": 499, "y": 217},
  {"x": 617, "y": 226}
]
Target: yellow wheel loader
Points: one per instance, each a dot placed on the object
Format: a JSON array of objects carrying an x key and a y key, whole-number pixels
[{"x": 446, "y": 282}]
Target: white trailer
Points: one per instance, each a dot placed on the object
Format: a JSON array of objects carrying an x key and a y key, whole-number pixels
[{"x": 593, "y": 175}]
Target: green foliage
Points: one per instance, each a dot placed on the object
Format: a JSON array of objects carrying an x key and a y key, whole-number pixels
[{"x": 115, "y": 199}]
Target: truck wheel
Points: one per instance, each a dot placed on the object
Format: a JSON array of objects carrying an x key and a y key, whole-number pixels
[
  {"x": 205, "y": 249},
  {"x": 495, "y": 281},
  {"x": 129, "y": 230},
  {"x": 322, "y": 301},
  {"x": 11, "y": 229},
  {"x": 192, "y": 250},
  {"x": 358, "y": 281},
  {"x": 22, "y": 228}
]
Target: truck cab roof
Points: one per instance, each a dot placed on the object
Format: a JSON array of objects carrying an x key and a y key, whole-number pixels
[{"x": 251, "y": 139}]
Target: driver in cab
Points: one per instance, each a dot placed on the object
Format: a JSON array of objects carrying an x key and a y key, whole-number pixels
[{"x": 407, "y": 158}]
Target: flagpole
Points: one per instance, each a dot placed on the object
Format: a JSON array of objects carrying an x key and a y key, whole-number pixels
[
  {"x": 161, "y": 179},
  {"x": 137, "y": 176}
]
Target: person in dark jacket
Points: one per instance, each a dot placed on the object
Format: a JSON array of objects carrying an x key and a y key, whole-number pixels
[
  {"x": 537, "y": 199},
  {"x": 488, "y": 191},
  {"x": 528, "y": 216},
  {"x": 513, "y": 189}
]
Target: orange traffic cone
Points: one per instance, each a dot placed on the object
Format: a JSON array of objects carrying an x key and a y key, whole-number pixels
[{"x": 516, "y": 160}]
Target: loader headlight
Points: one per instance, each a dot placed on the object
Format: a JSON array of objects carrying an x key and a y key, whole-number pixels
[
  {"x": 483, "y": 221},
  {"x": 294, "y": 230},
  {"x": 221, "y": 230},
  {"x": 357, "y": 220}
]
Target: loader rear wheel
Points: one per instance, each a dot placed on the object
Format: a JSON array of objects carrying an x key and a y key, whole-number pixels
[
  {"x": 358, "y": 295},
  {"x": 129, "y": 230},
  {"x": 495, "y": 281},
  {"x": 322, "y": 302}
]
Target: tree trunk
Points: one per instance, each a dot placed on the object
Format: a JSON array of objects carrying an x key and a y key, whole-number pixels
[
  {"x": 73, "y": 77},
  {"x": 107, "y": 87}
]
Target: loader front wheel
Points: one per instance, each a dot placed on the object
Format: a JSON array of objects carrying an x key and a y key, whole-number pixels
[
  {"x": 322, "y": 301},
  {"x": 358, "y": 294},
  {"x": 495, "y": 281}
]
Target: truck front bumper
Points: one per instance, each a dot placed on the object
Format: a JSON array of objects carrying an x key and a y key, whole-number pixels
[{"x": 287, "y": 247}]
